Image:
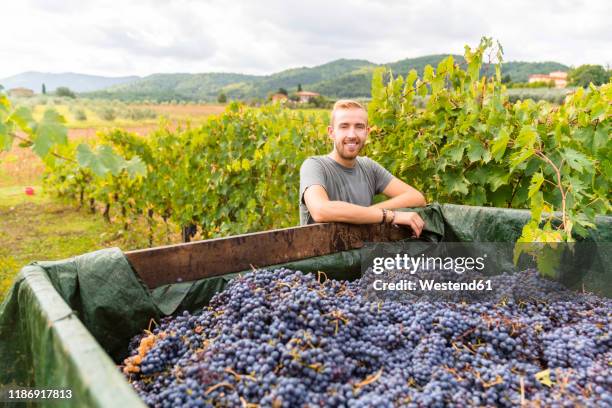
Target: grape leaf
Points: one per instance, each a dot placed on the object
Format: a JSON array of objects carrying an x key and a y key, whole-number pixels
[
  {"x": 577, "y": 160},
  {"x": 455, "y": 183},
  {"x": 536, "y": 181},
  {"x": 49, "y": 132},
  {"x": 499, "y": 144},
  {"x": 110, "y": 160},
  {"x": 6, "y": 141},
  {"x": 23, "y": 118},
  {"x": 544, "y": 377},
  {"x": 497, "y": 178},
  {"x": 601, "y": 137},
  {"x": 527, "y": 137},
  {"x": 87, "y": 158},
  {"x": 136, "y": 167},
  {"x": 476, "y": 151},
  {"x": 454, "y": 152},
  {"x": 519, "y": 157}
]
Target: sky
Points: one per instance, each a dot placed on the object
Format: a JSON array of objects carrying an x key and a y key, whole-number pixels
[{"x": 143, "y": 37}]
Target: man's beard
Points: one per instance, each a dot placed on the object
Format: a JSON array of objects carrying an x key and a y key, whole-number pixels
[{"x": 347, "y": 155}]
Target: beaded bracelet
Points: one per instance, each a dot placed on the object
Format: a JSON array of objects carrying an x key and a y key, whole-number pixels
[{"x": 384, "y": 217}]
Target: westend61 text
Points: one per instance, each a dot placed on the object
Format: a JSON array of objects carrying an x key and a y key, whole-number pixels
[{"x": 431, "y": 285}]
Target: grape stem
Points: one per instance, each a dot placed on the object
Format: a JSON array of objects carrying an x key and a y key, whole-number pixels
[
  {"x": 25, "y": 139},
  {"x": 545, "y": 158}
]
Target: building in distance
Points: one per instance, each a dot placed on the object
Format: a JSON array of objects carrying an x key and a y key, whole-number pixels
[
  {"x": 558, "y": 77},
  {"x": 306, "y": 96},
  {"x": 20, "y": 92},
  {"x": 279, "y": 97}
]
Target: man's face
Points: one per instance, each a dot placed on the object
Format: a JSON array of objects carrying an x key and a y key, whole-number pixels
[{"x": 349, "y": 132}]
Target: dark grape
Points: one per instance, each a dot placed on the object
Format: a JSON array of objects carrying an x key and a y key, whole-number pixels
[{"x": 283, "y": 339}]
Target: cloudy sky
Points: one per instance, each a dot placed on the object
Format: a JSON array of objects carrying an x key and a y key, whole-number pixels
[{"x": 142, "y": 37}]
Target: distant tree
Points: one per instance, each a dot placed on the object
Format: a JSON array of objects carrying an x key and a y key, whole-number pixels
[
  {"x": 320, "y": 102},
  {"x": 283, "y": 91},
  {"x": 222, "y": 98},
  {"x": 65, "y": 91},
  {"x": 299, "y": 88},
  {"x": 44, "y": 89},
  {"x": 585, "y": 74},
  {"x": 506, "y": 79},
  {"x": 1, "y": 88}
]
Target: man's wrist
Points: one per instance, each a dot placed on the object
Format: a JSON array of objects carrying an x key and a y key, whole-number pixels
[{"x": 388, "y": 216}]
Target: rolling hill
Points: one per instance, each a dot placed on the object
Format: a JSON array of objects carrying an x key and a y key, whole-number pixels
[
  {"x": 76, "y": 82},
  {"x": 340, "y": 78}
]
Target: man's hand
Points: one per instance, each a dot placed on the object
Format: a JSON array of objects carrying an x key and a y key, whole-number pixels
[{"x": 410, "y": 219}]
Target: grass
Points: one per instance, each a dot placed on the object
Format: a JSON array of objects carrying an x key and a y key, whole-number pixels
[{"x": 40, "y": 228}]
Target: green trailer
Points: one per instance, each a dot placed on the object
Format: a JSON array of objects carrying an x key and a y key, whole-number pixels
[{"x": 66, "y": 324}]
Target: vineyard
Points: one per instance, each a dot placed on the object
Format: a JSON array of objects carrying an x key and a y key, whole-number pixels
[
  {"x": 220, "y": 336},
  {"x": 239, "y": 171}
]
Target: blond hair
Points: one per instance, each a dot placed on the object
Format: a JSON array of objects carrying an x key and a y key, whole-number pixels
[{"x": 345, "y": 104}]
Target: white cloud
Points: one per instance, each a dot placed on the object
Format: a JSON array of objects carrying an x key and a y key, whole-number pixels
[{"x": 148, "y": 36}]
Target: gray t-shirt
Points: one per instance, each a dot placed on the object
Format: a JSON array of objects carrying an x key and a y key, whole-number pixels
[{"x": 357, "y": 185}]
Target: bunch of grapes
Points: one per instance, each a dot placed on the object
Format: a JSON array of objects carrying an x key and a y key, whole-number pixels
[{"x": 286, "y": 339}]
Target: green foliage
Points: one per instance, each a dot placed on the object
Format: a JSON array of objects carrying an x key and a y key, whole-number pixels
[
  {"x": 222, "y": 98},
  {"x": 587, "y": 74},
  {"x": 104, "y": 160},
  {"x": 65, "y": 92},
  {"x": 80, "y": 115},
  {"x": 41, "y": 136},
  {"x": 137, "y": 114},
  {"x": 471, "y": 145},
  {"x": 552, "y": 95},
  {"x": 536, "y": 84},
  {"x": 107, "y": 113},
  {"x": 48, "y": 138},
  {"x": 216, "y": 176}
]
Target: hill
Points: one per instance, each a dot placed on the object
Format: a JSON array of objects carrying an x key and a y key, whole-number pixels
[
  {"x": 343, "y": 78},
  {"x": 74, "y": 81},
  {"x": 165, "y": 87}
]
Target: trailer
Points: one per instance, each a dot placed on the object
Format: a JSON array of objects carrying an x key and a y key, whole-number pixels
[{"x": 66, "y": 324}]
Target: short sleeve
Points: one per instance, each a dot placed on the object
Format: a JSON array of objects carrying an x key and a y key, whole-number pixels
[
  {"x": 311, "y": 173},
  {"x": 382, "y": 176}
]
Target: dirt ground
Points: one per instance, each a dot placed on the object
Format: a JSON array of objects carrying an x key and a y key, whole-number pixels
[{"x": 185, "y": 110}]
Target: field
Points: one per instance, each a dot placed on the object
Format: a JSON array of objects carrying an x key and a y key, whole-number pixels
[
  {"x": 40, "y": 227},
  {"x": 237, "y": 172}
]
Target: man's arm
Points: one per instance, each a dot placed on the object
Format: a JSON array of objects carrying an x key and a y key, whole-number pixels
[
  {"x": 323, "y": 210},
  {"x": 401, "y": 195}
]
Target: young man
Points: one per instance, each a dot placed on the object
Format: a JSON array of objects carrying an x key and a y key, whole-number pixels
[{"x": 341, "y": 185}]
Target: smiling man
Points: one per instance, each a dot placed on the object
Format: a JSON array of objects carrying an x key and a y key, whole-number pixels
[{"x": 341, "y": 185}]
